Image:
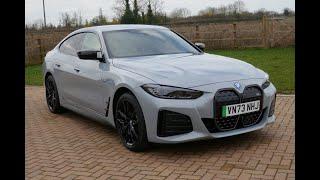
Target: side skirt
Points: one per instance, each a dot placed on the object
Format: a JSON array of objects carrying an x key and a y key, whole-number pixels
[{"x": 101, "y": 118}]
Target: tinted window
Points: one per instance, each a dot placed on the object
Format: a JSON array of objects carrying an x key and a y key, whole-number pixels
[
  {"x": 145, "y": 42},
  {"x": 72, "y": 45},
  {"x": 91, "y": 42}
]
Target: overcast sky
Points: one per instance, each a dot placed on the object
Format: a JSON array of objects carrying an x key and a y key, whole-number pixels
[{"x": 90, "y": 8}]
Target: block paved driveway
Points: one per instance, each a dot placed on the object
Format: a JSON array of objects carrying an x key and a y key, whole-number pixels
[{"x": 70, "y": 146}]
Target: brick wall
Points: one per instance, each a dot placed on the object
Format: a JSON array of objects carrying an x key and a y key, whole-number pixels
[{"x": 262, "y": 33}]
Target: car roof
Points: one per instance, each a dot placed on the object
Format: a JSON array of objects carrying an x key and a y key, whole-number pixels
[{"x": 119, "y": 27}]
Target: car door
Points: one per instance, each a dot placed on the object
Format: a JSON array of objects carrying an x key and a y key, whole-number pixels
[
  {"x": 65, "y": 68},
  {"x": 90, "y": 87}
]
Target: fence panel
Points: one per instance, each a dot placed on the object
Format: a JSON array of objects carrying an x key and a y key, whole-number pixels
[{"x": 267, "y": 32}]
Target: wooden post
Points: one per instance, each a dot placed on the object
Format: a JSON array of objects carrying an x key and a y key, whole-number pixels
[
  {"x": 267, "y": 32},
  {"x": 197, "y": 33},
  {"x": 264, "y": 37},
  {"x": 271, "y": 33},
  {"x": 234, "y": 35},
  {"x": 40, "y": 49}
]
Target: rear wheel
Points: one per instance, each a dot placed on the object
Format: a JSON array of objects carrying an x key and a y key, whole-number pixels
[
  {"x": 130, "y": 123},
  {"x": 52, "y": 95}
]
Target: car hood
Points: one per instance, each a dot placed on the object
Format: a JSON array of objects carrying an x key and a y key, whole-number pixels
[{"x": 188, "y": 70}]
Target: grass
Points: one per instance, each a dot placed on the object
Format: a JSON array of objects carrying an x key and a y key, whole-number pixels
[
  {"x": 277, "y": 62},
  {"x": 33, "y": 75}
]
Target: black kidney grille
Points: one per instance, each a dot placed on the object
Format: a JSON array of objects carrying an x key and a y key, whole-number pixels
[
  {"x": 227, "y": 123},
  {"x": 228, "y": 97},
  {"x": 250, "y": 118},
  {"x": 252, "y": 93},
  {"x": 212, "y": 128},
  {"x": 222, "y": 98}
]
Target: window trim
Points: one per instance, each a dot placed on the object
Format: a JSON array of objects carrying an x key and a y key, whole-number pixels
[{"x": 68, "y": 37}]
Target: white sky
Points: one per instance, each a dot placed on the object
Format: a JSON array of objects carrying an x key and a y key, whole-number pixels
[{"x": 89, "y": 8}]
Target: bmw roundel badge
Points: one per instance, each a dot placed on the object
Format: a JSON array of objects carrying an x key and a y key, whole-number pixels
[{"x": 237, "y": 85}]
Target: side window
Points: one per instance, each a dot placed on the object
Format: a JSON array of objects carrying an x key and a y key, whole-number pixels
[
  {"x": 91, "y": 42},
  {"x": 72, "y": 45}
]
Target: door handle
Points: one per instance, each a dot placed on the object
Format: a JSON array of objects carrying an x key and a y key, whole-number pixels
[
  {"x": 58, "y": 65},
  {"x": 77, "y": 70}
]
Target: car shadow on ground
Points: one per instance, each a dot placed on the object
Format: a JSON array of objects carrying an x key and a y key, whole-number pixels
[{"x": 225, "y": 145}]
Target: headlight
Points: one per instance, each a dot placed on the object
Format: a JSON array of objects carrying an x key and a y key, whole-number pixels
[
  {"x": 169, "y": 92},
  {"x": 266, "y": 84}
]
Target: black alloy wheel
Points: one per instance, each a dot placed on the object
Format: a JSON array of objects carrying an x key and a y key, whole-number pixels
[
  {"x": 52, "y": 96},
  {"x": 130, "y": 123}
]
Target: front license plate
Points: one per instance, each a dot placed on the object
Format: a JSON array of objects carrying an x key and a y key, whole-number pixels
[{"x": 242, "y": 108}]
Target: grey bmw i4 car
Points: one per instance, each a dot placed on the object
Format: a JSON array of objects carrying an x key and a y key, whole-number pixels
[{"x": 153, "y": 85}]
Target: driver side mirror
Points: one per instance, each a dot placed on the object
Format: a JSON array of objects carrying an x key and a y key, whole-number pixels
[
  {"x": 201, "y": 46},
  {"x": 91, "y": 55}
]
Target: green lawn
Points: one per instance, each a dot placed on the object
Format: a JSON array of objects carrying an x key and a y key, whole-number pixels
[
  {"x": 277, "y": 62},
  {"x": 33, "y": 75}
]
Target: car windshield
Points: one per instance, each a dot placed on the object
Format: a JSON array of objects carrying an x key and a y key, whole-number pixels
[{"x": 145, "y": 42}]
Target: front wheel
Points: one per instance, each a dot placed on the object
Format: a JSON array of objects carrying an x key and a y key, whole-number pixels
[{"x": 130, "y": 123}]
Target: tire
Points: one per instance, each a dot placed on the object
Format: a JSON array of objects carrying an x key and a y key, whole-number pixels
[
  {"x": 130, "y": 123},
  {"x": 52, "y": 96}
]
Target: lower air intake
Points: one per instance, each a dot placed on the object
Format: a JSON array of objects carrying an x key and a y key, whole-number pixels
[{"x": 172, "y": 123}]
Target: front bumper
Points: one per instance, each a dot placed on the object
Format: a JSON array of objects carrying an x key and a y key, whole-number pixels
[{"x": 196, "y": 110}]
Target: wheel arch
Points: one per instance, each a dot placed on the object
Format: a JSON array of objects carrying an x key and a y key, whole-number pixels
[
  {"x": 120, "y": 91},
  {"x": 48, "y": 73}
]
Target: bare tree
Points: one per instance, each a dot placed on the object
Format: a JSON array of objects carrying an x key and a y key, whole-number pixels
[
  {"x": 209, "y": 11},
  {"x": 98, "y": 20},
  {"x": 222, "y": 10},
  {"x": 143, "y": 6},
  {"x": 261, "y": 12},
  {"x": 118, "y": 8},
  {"x": 76, "y": 19},
  {"x": 287, "y": 12},
  {"x": 157, "y": 6},
  {"x": 65, "y": 19},
  {"x": 239, "y": 6},
  {"x": 180, "y": 13},
  {"x": 80, "y": 19},
  {"x": 37, "y": 24},
  {"x": 73, "y": 19},
  {"x": 102, "y": 18}
]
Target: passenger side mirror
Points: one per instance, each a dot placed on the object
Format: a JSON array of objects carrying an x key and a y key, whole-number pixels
[
  {"x": 91, "y": 55},
  {"x": 200, "y": 46}
]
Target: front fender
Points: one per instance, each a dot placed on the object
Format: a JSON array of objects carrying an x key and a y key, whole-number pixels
[{"x": 125, "y": 79}]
